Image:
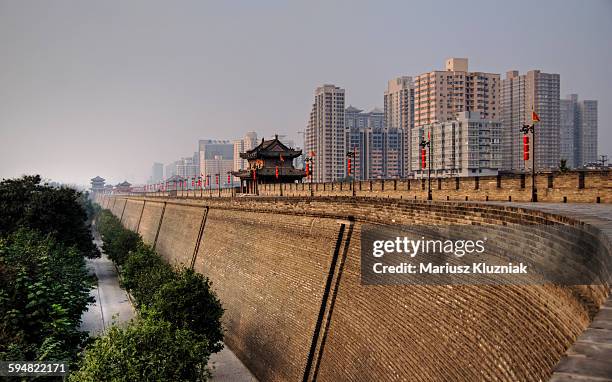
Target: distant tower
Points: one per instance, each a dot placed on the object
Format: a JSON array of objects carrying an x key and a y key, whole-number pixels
[
  {"x": 325, "y": 136},
  {"x": 578, "y": 135},
  {"x": 248, "y": 142},
  {"x": 157, "y": 172},
  {"x": 97, "y": 185},
  {"x": 520, "y": 95},
  {"x": 399, "y": 114}
]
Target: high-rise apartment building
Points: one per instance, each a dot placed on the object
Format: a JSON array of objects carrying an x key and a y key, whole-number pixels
[
  {"x": 157, "y": 173},
  {"x": 188, "y": 167},
  {"x": 587, "y": 139},
  {"x": 324, "y": 139},
  {"x": 568, "y": 132},
  {"x": 522, "y": 94},
  {"x": 171, "y": 169},
  {"x": 216, "y": 159},
  {"x": 378, "y": 150},
  {"x": 578, "y": 131},
  {"x": 442, "y": 95},
  {"x": 399, "y": 113},
  {"x": 470, "y": 145},
  {"x": 248, "y": 142}
]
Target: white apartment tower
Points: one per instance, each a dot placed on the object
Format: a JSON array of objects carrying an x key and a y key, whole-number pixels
[
  {"x": 399, "y": 114},
  {"x": 522, "y": 94},
  {"x": 469, "y": 145},
  {"x": 248, "y": 142},
  {"x": 324, "y": 139}
]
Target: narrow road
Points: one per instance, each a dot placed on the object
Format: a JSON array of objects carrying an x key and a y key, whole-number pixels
[{"x": 112, "y": 304}]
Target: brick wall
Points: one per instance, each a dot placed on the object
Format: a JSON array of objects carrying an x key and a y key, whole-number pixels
[
  {"x": 131, "y": 214},
  {"x": 571, "y": 187},
  {"x": 287, "y": 271},
  {"x": 149, "y": 223}
]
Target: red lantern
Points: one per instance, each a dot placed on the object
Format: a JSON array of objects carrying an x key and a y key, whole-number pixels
[
  {"x": 229, "y": 179},
  {"x": 307, "y": 170},
  {"x": 423, "y": 158},
  {"x": 349, "y": 166},
  {"x": 217, "y": 179},
  {"x": 525, "y": 147},
  {"x": 276, "y": 172}
]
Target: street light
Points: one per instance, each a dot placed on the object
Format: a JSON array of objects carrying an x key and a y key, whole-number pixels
[
  {"x": 351, "y": 154},
  {"x": 218, "y": 181},
  {"x": 427, "y": 143},
  {"x": 309, "y": 161},
  {"x": 209, "y": 184},
  {"x": 230, "y": 183},
  {"x": 526, "y": 129}
]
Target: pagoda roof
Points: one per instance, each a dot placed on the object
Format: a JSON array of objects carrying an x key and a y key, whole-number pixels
[
  {"x": 125, "y": 183},
  {"x": 97, "y": 179},
  {"x": 271, "y": 149}
]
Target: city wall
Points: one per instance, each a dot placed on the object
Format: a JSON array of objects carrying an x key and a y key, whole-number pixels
[
  {"x": 570, "y": 187},
  {"x": 288, "y": 273}
]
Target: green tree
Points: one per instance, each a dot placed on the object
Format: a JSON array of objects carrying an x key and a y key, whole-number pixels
[
  {"x": 125, "y": 241},
  {"x": 189, "y": 302},
  {"x": 144, "y": 272},
  {"x": 25, "y": 202},
  {"x": 44, "y": 289},
  {"x": 145, "y": 350}
]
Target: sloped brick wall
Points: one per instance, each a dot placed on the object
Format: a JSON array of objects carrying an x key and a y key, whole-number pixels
[{"x": 287, "y": 272}]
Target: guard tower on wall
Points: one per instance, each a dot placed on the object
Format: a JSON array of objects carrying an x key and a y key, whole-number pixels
[
  {"x": 270, "y": 162},
  {"x": 97, "y": 185}
]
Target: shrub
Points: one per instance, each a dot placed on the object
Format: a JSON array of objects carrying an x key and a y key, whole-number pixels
[
  {"x": 125, "y": 241},
  {"x": 188, "y": 302},
  {"x": 144, "y": 272},
  {"x": 145, "y": 350}
]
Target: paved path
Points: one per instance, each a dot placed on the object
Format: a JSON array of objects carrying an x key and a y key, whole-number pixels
[
  {"x": 112, "y": 304},
  {"x": 590, "y": 357},
  {"x": 226, "y": 367}
]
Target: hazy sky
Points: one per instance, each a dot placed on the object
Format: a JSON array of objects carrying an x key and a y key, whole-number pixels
[{"x": 108, "y": 87}]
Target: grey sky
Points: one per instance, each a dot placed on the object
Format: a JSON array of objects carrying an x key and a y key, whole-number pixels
[{"x": 108, "y": 87}]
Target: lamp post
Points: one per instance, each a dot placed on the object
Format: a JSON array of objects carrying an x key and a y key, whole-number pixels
[
  {"x": 309, "y": 166},
  {"x": 230, "y": 183},
  {"x": 351, "y": 154},
  {"x": 427, "y": 143},
  {"x": 526, "y": 129}
]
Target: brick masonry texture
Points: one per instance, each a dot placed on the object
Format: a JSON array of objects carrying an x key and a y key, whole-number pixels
[
  {"x": 131, "y": 214},
  {"x": 270, "y": 260},
  {"x": 150, "y": 220},
  {"x": 571, "y": 187}
]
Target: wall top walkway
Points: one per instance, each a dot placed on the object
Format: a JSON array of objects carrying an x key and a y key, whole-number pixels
[{"x": 590, "y": 357}]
